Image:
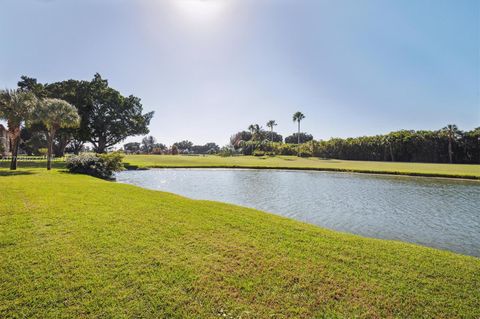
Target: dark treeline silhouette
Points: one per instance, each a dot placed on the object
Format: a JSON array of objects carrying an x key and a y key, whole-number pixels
[
  {"x": 298, "y": 138},
  {"x": 448, "y": 145},
  {"x": 150, "y": 145}
]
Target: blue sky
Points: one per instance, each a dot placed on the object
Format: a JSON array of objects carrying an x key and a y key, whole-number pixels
[{"x": 209, "y": 68}]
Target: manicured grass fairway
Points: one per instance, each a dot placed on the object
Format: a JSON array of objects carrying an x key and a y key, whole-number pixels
[
  {"x": 440, "y": 170},
  {"x": 76, "y": 246}
]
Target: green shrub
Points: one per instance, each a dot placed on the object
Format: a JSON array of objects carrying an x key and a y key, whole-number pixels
[
  {"x": 112, "y": 161},
  {"x": 286, "y": 149},
  {"x": 305, "y": 154},
  {"x": 43, "y": 151},
  {"x": 306, "y": 149},
  {"x": 226, "y": 151},
  {"x": 258, "y": 153},
  {"x": 101, "y": 165}
]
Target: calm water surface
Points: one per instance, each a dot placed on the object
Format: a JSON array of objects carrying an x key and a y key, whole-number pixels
[{"x": 439, "y": 213}]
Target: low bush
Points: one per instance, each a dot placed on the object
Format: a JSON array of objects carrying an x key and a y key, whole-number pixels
[
  {"x": 285, "y": 149},
  {"x": 42, "y": 151},
  {"x": 98, "y": 165},
  {"x": 226, "y": 151}
]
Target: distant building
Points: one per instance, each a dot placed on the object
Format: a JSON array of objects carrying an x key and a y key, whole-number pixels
[{"x": 4, "y": 141}]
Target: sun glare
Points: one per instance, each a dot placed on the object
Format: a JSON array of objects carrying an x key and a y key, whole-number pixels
[{"x": 201, "y": 10}]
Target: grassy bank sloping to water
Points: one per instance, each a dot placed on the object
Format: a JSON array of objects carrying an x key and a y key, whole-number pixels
[
  {"x": 76, "y": 246},
  {"x": 293, "y": 162},
  {"x": 467, "y": 171}
]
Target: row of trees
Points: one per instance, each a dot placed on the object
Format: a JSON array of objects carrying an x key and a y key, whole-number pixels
[
  {"x": 106, "y": 116},
  {"x": 149, "y": 145},
  {"x": 258, "y": 139},
  {"x": 447, "y": 145},
  {"x": 20, "y": 108},
  {"x": 67, "y": 115}
]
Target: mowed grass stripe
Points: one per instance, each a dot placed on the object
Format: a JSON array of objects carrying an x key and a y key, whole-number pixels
[{"x": 469, "y": 171}]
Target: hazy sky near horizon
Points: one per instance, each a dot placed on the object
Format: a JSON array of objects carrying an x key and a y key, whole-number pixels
[{"x": 209, "y": 68}]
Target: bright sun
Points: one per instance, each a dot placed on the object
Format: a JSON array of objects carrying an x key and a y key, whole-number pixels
[{"x": 201, "y": 10}]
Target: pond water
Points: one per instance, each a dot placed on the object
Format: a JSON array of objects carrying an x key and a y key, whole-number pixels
[{"x": 433, "y": 212}]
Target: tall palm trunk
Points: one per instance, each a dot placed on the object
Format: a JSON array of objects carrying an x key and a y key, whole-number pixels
[
  {"x": 298, "y": 139},
  {"x": 50, "y": 137},
  {"x": 298, "y": 136},
  {"x": 14, "y": 132},
  {"x": 15, "y": 146},
  {"x": 391, "y": 152}
]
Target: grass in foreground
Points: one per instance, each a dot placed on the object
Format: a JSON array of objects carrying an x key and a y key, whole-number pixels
[
  {"x": 293, "y": 162},
  {"x": 75, "y": 246}
]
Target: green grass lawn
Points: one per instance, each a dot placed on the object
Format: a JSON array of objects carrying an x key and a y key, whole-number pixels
[
  {"x": 76, "y": 246},
  {"x": 293, "y": 162}
]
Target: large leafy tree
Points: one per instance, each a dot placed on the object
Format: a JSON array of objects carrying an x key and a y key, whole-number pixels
[
  {"x": 16, "y": 107},
  {"x": 56, "y": 114},
  {"x": 298, "y": 117},
  {"x": 298, "y": 138},
  {"x": 148, "y": 143},
  {"x": 28, "y": 84},
  {"x": 132, "y": 147},
  {"x": 184, "y": 145},
  {"x": 209, "y": 148},
  {"x": 110, "y": 117},
  {"x": 238, "y": 138},
  {"x": 33, "y": 139}
]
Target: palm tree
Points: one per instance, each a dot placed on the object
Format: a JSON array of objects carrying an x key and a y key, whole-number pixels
[
  {"x": 271, "y": 124},
  {"x": 56, "y": 114},
  {"x": 16, "y": 107},
  {"x": 298, "y": 117},
  {"x": 452, "y": 133},
  {"x": 255, "y": 130}
]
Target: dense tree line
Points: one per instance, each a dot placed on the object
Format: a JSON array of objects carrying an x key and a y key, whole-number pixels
[
  {"x": 150, "y": 145},
  {"x": 257, "y": 141},
  {"x": 187, "y": 147},
  {"x": 447, "y": 145}
]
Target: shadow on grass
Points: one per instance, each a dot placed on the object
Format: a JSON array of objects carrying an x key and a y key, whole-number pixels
[
  {"x": 14, "y": 173},
  {"x": 65, "y": 171},
  {"x": 33, "y": 164}
]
